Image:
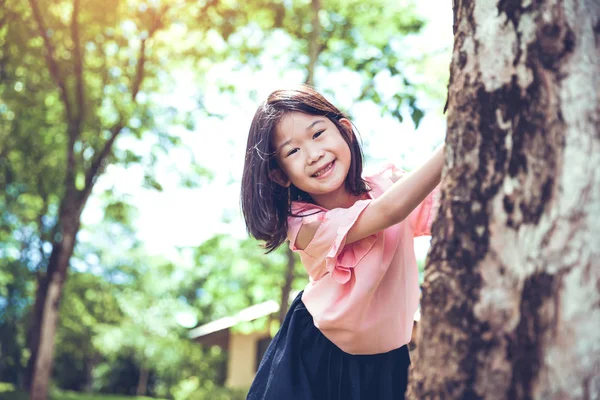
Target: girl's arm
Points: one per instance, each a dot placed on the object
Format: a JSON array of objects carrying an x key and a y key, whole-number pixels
[
  {"x": 396, "y": 203},
  {"x": 391, "y": 207}
]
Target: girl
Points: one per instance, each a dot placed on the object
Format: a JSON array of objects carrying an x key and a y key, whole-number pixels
[{"x": 344, "y": 337}]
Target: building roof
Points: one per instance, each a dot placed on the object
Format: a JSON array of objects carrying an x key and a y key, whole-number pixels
[{"x": 246, "y": 315}]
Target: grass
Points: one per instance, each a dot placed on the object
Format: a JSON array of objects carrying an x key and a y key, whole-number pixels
[{"x": 8, "y": 392}]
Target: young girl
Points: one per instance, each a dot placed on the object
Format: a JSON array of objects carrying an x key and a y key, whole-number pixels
[{"x": 344, "y": 337}]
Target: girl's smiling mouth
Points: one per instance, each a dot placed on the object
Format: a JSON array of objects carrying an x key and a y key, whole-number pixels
[{"x": 325, "y": 171}]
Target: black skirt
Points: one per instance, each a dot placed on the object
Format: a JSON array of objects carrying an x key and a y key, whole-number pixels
[{"x": 302, "y": 364}]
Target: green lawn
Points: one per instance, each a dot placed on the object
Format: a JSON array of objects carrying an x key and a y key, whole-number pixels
[{"x": 8, "y": 392}]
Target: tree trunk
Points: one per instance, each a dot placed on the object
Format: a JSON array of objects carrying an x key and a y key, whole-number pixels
[
  {"x": 33, "y": 333},
  {"x": 33, "y": 339},
  {"x": 55, "y": 280},
  {"x": 287, "y": 286},
  {"x": 511, "y": 306},
  {"x": 142, "y": 385},
  {"x": 90, "y": 365}
]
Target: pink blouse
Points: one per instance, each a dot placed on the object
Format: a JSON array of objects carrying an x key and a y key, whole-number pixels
[{"x": 362, "y": 296}]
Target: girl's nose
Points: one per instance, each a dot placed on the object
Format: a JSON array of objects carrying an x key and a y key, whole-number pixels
[{"x": 314, "y": 155}]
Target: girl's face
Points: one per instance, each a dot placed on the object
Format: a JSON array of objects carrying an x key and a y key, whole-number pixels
[{"x": 312, "y": 154}]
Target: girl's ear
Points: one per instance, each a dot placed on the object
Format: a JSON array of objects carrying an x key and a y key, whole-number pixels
[
  {"x": 348, "y": 125},
  {"x": 279, "y": 177}
]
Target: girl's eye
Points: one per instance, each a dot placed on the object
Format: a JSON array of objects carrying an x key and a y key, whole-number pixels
[
  {"x": 291, "y": 152},
  {"x": 316, "y": 135}
]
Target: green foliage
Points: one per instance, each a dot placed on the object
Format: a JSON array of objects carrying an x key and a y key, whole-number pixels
[
  {"x": 191, "y": 390},
  {"x": 232, "y": 274},
  {"x": 16, "y": 294},
  {"x": 68, "y": 89},
  {"x": 89, "y": 301},
  {"x": 68, "y": 395},
  {"x": 121, "y": 311},
  {"x": 124, "y": 50},
  {"x": 9, "y": 392},
  {"x": 364, "y": 39}
]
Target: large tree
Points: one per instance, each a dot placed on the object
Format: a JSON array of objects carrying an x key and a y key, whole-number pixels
[{"x": 511, "y": 306}]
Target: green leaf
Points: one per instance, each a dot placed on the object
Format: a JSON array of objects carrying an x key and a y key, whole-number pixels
[{"x": 150, "y": 182}]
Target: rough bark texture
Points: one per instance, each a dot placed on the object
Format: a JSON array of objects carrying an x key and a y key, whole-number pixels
[{"x": 511, "y": 300}]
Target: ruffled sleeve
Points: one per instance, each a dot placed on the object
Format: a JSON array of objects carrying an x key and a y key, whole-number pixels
[
  {"x": 341, "y": 258},
  {"x": 328, "y": 246}
]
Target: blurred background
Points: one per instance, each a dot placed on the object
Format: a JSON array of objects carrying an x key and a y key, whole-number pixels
[{"x": 123, "y": 125}]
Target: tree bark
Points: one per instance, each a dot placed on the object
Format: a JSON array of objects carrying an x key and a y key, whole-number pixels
[
  {"x": 142, "y": 386},
  {"x": 49, "y": 302},
  {"x": 33, "y": 331},
  {"x": 511, "y": 303}
]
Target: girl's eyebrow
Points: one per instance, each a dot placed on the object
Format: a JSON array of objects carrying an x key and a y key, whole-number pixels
[
  {"x": 282, "y": 145},
  {"x": 314, "y": 123},
  {"x": 309, "y": 127}
]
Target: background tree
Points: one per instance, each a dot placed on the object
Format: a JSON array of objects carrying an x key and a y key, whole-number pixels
[
  {"x": 124, "y": 319},
  {"x": 510, "y": 302},
  {"x": 150, "y": 330},
  {"x": 75, "y": 77},
  {"x": 330, "y": 37}
]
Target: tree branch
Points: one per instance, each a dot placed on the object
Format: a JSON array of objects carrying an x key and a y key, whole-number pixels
[
  {"x": 73, "y": 129},
  {"x": 79, "y": 93},
  {"x": 40, "y": 222},
  {"x": 50, "y": 60},
  {"x": 98, "y": 163},
  {"x": 313, "y": 42},
  {"x": 139, "y": 76}
]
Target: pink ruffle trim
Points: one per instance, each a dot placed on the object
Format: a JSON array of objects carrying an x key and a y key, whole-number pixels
[{"x": 340, "y": 259}]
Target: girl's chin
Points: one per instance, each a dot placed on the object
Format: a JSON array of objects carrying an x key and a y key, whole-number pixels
[{"x": 328, "y": 189}]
